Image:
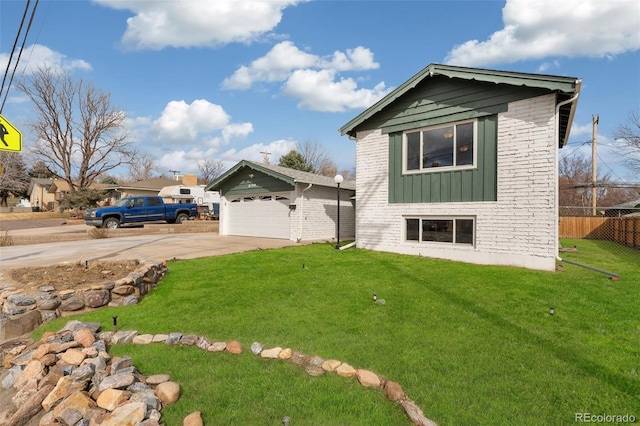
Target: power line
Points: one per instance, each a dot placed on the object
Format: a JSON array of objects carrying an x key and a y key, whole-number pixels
[
  {"x": 24, "y": 40},
  {"x": 13, "y": 49},
  {"x": 608, "y": 167},
  {"x": 581, "y": 145}
]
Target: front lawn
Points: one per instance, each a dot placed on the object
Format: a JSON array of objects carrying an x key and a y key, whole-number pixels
[{"x": 469, "y": 344}]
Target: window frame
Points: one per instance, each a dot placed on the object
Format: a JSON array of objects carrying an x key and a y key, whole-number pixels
[
  {"x": 453, "y": 167},
  {"x": 454, "y": 227}
]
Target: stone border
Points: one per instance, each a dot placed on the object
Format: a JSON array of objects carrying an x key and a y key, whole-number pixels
[
  {"x": 22, "y": 313},
  {"x": 72, "y": 377}
]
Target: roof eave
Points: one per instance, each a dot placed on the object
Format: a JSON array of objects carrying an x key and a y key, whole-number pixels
[{"x": 569, "y": 85}]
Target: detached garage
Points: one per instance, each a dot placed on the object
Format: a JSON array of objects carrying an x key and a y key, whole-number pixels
[{"x": 262, "y": 200}]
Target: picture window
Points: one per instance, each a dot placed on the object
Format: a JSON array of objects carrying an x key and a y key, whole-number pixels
[{"x": 449, "y": 147}]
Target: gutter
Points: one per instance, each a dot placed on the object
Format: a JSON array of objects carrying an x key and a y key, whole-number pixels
[
  {"x": 557, "y": 166},
  {"x": 302, "y": 210}
]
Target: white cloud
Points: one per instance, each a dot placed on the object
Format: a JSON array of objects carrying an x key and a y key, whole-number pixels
[
  {"x": 182, "y": 121},
  {"x": 542, "y": 28},
  {"x": 276, "y": 65},
  {"x": 311, "y": 78},
  {"x": 186, "y": 160},
  {"x": 320, "y": 91},
  {"x": 187, "y": 23},
  {"x": 255, "y": 152},
  {"x": 285, "y": 58},
  {"x": 186, "y": 133},
  {"x": 38, "y": 56}
]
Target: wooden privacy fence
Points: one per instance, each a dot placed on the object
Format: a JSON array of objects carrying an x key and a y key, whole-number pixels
[{"x": 623, "y": 230}]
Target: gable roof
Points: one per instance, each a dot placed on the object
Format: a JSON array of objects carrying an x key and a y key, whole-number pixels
[
  {"x": 633, "y": 204},
  {"x": 290, "y": 176},
  {"x": 566, "y": 88},
  {"x": 149, "y": 184}
]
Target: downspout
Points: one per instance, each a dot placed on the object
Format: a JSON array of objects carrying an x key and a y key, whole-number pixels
[
  {"x": 557, "y": 166},
  {"x": 302, "y": 210}
]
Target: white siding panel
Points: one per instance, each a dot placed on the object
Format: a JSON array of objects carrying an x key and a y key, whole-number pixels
[{"x": 258, "y": 217}]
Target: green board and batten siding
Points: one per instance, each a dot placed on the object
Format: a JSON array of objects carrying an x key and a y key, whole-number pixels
[
  {"x": 261, "y": 183},
  {"x": 443, "y": 100},
  {"x": 477, "y": 184}
]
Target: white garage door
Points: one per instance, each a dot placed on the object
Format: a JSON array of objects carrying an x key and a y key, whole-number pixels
[{"x": 259, "y": 216}]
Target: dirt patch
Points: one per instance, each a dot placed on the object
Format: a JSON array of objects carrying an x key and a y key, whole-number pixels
[{"x": 71, "y": 275}]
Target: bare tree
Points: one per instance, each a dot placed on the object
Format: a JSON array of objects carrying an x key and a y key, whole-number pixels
[
  {"x": 142, "y": 167},
  {"x": 575, "y": 183},
  {"x": 315, "y": 155},
  {"x": 79, "y": 133},
  {"x": 209, "y": 170},
  {"x": 14, "y": 178},
  {"x": 629, "y": 133}
]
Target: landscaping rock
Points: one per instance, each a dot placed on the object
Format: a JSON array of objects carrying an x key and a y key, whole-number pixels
[
  {"x": 416, "y": 415},
  {"x": 85, "y": 337},
  {"x": 128, "y": 414},
  {"x": 168, "y": 392},
  {"x": 393, "y": 391},
  {"x": 345, "y": 370},
  {"x": 111, "y": 398},
  {"x": 271, "y": 353},
  {"x": 256, "y": 348},
  {"x": 97, "y": 298},
  {"x": 156, "y": 379},
  {"x": 217, "y": 347},
  {"x": 234, "y": 347},
  {"x": 368, "y": 378},
  {"x": 331, "y": 365},
  {"x": 193, "y": 419}
]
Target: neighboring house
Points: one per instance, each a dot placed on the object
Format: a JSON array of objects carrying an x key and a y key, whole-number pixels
[
  {"x": 141, "y": 187},
  {"x": 262, "y": 200},
  {"x": 461, "y": 163},
  {"x": 39, "y": 195},
  {"x": 59, "y": 188},
  {"x": 624, "y": 209}
]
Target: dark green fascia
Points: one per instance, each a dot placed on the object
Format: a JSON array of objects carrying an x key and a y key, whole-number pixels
[
  {"x": 219, "y": 183},
  {"x": 566, "y": 85}
]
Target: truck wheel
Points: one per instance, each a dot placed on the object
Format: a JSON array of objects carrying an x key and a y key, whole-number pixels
[
  {"x": 182, "y": 218},
  {"x": 111, "y": 223}
]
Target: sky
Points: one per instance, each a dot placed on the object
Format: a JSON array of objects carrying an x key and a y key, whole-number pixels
[{"x": 228, "y": 80}]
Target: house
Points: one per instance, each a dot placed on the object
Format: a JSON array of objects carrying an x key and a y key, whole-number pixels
[
  {"x": 39, "y": 195},
  {"x": 143, "y": 187},
  {"x": 262, "y": 200},
  {"x": 624, "y": 209},
  {"x": 462, "y": 164}
]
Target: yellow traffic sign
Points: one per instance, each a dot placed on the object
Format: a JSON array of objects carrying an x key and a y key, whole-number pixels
[{"x": 10, "y": 137}]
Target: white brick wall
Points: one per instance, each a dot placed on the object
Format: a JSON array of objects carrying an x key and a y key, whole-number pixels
[
  {"x": 316, "y": 214},
  {"x": 519, "y": 229}
]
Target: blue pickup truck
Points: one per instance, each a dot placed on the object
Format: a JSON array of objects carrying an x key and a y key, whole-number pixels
[{"x": 138, "y": 210}]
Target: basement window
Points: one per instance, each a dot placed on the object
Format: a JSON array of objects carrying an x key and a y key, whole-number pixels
[{"x": 457, "y": 230}]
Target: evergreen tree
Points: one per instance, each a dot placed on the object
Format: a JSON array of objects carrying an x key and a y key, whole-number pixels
[
  {"x": 14, "y": 178},
  {"x": 295, "y": 160}
]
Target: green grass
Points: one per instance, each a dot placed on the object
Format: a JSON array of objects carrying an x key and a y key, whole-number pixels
[{"x": 469, "y": 344}]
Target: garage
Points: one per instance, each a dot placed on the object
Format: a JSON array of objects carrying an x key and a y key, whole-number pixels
[
  {"x": 269, "y": 201},
  {"x": 259, "y": 216}
]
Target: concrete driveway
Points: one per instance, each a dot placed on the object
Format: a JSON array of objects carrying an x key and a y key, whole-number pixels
[{"x": 143, "y": 247}]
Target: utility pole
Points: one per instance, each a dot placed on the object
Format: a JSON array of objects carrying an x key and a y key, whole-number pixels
[
  {"x": 594, "y": 173},
  {"x": 266, "y": 156}
]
